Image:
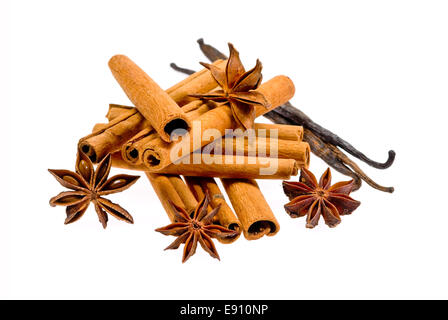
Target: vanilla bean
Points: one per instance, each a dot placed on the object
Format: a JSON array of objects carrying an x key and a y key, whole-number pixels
[
  {"x": 320, "y": 149},
  {"x": 210, "y": 52},
  {"x": 182, "y": 70},
  {"x": 301, "y": 119}
]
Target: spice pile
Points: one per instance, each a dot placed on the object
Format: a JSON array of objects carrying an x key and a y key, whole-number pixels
[{"x": 180, "y": 138}]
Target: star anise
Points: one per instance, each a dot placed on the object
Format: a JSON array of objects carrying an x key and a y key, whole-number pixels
[
  {"x": 237, "y": 88},
  {"x": 314, "y": 199},
  {"x": 91, "y": 185},
  {"x": 199, "y": 228}
]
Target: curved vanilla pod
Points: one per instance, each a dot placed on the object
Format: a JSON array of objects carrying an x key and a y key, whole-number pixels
[
  {"x": 300, "y": 118},
  {"x": 334, "y": 157},
  {"x": 210, "y": 52}
]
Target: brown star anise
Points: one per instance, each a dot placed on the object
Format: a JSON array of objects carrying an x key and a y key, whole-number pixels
[
  {"x": 314, "y": 199},
  {"x": 90, "y": 185},
  {"x": 237, "y": 88},
  {"x": 199, "y": 228}
]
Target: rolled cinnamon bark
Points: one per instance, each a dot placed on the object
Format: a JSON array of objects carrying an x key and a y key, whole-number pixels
[
  {"x": 236, "y": 167},
  {"x": 250, "y": 206},
  {"x": 165, "y": 192},
  {"x": 116, "y": 110},
  {"x": 125, "y": 122},
  {"x": 228, "y": 167},
  {"x": 200, "y": 186},
  {"x": 285, "y": 132},
  {"x": 129, "y": 151},
  {"x": 150, "y": 100},
  {"x": 188, "y": 199},
  {"x": 158, "y": 153},
  {"x": 283, "y": 149},
  {"x": 99, "y": 126},
  {"x": 110, "y": 138}
]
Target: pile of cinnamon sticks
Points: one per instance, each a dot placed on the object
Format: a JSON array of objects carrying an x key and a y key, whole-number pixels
[{"x": 160, "y": 137}]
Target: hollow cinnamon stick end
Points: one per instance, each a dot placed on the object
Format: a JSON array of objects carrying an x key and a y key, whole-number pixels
[
  {"x": 130, "y": 154},
  {"x": 176, "y": 125},
  {"x": 85, "y": 147},
  {"x": 252, "y": 209},
  {"x": 152, "y": 159},
  {"x": 234, "y": 227},
  {"x": 262, "y": 228}
]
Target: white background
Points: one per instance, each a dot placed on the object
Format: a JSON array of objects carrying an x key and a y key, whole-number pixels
[{"x": 375, "y": 72}]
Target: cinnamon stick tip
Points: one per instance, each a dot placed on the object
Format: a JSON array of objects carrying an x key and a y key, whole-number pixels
[
  {"x": 87, "y": 149},
  {"x": 116, "y": 59}
]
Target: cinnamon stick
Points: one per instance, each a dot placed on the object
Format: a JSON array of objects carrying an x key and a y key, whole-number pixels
[
  {"x": 116, "y": 110},
  {"x": 188, "y": 199},
  {"x": 165, "y": 192},
  {"x": 286, "y": 132},
  {"x": 254, "y": 213},
  {"x": 151, "y": 101},
  {"x": 99, "y": 126},
  {"x": 283, "y": 149},
  {"x": 227, "y": 167},
  {"x": 158, "y": 153},
  {"x": 129, "y": 151},
  {"x": 110, "y": 138}
]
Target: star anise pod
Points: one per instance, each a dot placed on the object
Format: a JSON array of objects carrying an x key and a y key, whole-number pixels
[
  {"x": 314, "y": 199},
  {"x": 91, "y": 185},
  {"x": 198, "y": 228},
  {"x": 237, "y": 87}
]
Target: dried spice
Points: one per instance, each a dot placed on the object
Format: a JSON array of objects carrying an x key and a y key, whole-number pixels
[
  {"x": 314, "y": 199},
  {"x": 210, "y": 52},
  {"x": 301, "y": 119},
  {"x": 90, "y": 185},
  {"x": 237, "y": 88},
  {"x": 198, "y": 228},
  {"x": 182, "y": 70}
]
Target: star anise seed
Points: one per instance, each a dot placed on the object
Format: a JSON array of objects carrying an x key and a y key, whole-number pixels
[
  {"x": 199, "y": 228},
  {"x": 237, "y": 88},
  {"x": 313, "y": 199},
  {"x": 90, "y": 185}
]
